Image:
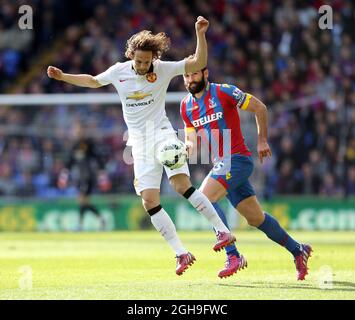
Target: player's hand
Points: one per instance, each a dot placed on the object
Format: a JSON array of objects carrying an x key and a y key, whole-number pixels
[
  {"x": 201, "y": 25},
  {"x": 104, "y": 182},
  {"x": 263, "y": 150},
  {"x": 54, "y": 73},
  {"x": 63, "y": 178}
]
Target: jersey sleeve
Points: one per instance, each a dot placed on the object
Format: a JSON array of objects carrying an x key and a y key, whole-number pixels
[
  {"x": 172, "y": 68},
  {"x": 187, "y": 123},
  {"x": 108, "y": 76},
  {"x": 239, "y": 98}
]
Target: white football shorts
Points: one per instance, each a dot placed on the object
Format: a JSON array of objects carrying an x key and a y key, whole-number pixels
[{"x": 148, "y": 170}]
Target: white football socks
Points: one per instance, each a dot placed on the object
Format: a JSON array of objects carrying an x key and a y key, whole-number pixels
[
  {"x": 163, "y": 223},
  {"x": 201, "y": 203}
]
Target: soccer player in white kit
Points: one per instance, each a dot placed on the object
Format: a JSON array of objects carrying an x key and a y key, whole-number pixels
[{"x": 142, "y": 83}]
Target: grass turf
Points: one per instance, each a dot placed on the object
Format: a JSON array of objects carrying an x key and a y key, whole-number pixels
[{"x": 140, "y": 265}]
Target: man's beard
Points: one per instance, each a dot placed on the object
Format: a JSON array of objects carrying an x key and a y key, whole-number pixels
[{"x": 198, "y": 86}]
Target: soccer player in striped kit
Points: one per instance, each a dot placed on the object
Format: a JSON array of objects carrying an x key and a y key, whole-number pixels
[{"x": 211, "y": 112}]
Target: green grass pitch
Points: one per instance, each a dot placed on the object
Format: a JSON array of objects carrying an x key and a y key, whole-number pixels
[{"x": 140, "y": 265}]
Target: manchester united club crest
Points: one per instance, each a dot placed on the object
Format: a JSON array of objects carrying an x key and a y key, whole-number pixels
[{"x": 151, "y": 77}]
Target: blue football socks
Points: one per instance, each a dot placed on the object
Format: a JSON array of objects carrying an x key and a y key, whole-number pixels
[
  {"x": 231, "y": 249},
  {"x": 275, "y": 232}
]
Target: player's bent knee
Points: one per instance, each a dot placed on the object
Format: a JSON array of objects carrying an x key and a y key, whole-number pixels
[
  {"x": 181, "y": 189},
  {"x": 149, "y": 203},
  {"x": 254, "y": 222},
  {"x": 180, "y": 185}
]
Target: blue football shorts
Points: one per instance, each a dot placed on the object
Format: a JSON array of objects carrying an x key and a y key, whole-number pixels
[{"x": 233, "y": 174}]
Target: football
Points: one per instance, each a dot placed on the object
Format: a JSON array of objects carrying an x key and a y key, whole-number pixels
[{"x": 172, "y": 153}]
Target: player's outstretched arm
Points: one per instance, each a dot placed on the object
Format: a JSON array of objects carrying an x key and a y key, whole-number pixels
[
  {"x": 260, "y": 110},
  {"x": 199, "y": 61},
  {"x": 81, "y": 80}
]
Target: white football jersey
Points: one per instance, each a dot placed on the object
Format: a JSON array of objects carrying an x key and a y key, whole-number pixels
[{"x": 143, "y": 96}]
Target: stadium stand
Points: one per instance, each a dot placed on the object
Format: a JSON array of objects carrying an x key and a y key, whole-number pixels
[{"x": 305, "y": 75}]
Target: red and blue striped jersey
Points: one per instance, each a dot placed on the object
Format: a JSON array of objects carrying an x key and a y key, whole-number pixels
[{"x": 215, "y": 118}]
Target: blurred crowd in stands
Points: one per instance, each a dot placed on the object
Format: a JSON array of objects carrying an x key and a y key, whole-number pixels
[{"x": 272, "y": 49}]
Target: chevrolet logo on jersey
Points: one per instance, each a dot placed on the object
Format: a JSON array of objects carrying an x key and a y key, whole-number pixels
[
  {"x": 138, "y": 95},
  {"x": 207, "y": 119}
]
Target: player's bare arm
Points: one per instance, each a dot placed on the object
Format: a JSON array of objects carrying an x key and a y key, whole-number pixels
[
  {"x": 260, "y": 110},
  {"x": 190, "y": 140},
  {"x": 81, "y": 80},
  {"x": 199, "y": 60}
]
